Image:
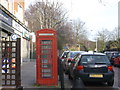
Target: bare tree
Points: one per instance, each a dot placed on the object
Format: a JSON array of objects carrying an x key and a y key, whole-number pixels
[
  {"x": 42, "y": 15},
  {"x": 104, "y": 35},
  {"x": 114, "y": 34},
  {"x": 79, "y": 29},
  {"x": 115, "y": 41},
  {"x": 80, "y": 33},
  {"x": 65, "y": 34},
  {"x": 102, "y": 38}
]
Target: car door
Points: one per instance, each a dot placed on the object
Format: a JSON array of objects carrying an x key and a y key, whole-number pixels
[
  {"x": 64, "y": 60},
  {"x": 73, "y": 67}
]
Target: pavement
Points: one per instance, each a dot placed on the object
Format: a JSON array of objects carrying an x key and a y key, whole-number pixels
[
  {"x": 28, "y": 73},
  {"x": 28, "y": 76}
]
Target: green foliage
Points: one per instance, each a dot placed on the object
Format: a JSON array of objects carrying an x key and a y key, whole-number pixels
[{"x": 113, "y": 44}]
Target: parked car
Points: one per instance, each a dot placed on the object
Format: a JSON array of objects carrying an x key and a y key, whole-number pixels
[
  {"x": 117, "y": 61},
  {"x": 109, "y": 54},
  {"x": 112, "y": 55},
  {"x": 63, "y": 58},
  {"x": 72, "y": 63},
  {"x": 93, "y": 67},
  {"x": 64, "y": 55},
  {"x": 68, "y": 59}
]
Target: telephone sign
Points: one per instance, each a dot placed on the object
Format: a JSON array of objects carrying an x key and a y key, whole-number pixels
[
  {"x": 46, "y": 57},
  {"x": 14, "y": 37}
]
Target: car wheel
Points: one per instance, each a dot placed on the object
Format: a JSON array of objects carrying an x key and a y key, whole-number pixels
[{"x": 110, "y": 83}]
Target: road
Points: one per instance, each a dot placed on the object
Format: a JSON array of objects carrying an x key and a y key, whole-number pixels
[
  {"x": 96, "y": 85},
  {"x": 29, "y": 73}
]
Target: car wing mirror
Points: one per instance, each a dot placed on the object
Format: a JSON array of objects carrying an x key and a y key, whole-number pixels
[{"x": 64, "y": 56}]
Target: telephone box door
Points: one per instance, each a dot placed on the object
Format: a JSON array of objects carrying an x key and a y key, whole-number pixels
[{"x": 46, "y": 57}]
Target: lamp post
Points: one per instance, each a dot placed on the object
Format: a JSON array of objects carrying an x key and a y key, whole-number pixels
[
  {"x": 96, "y": 49},
  {"x": 96, "y": 45}
]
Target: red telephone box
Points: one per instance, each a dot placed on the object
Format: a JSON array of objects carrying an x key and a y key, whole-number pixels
[{"x": 46, "y": 57}]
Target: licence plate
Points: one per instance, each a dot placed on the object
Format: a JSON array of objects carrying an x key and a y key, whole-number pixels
[{"x": 96, "y": 75}]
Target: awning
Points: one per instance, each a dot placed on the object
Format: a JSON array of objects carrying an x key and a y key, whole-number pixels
[{"x": 6, "y": 27}]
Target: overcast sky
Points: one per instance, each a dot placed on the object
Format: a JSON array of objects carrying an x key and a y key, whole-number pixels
[{"x": 96, "y": 15}]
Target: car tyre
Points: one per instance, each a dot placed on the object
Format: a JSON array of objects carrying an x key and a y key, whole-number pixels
[{"x": 110, "y": 83}]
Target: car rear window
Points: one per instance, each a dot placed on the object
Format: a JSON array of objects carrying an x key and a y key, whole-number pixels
[{"x": 94, "y": 59}]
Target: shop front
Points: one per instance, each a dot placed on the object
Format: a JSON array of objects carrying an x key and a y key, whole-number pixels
[{"x": 11, "y": 29}]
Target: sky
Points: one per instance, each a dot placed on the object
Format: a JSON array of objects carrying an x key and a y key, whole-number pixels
[{"x": 96, "y": 15}]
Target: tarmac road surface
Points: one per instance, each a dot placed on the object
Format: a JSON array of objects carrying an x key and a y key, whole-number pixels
[{"x": 28, "y": 74}]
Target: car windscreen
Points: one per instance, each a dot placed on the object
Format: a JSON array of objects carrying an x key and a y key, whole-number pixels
[
  {"x": 94, "y": 59},
  {"x": 109, "y": 55},
  {"x": 72, "y": 54},
  {"x": 65, "y": 54},
  {"x": 116, "y": 55}
]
